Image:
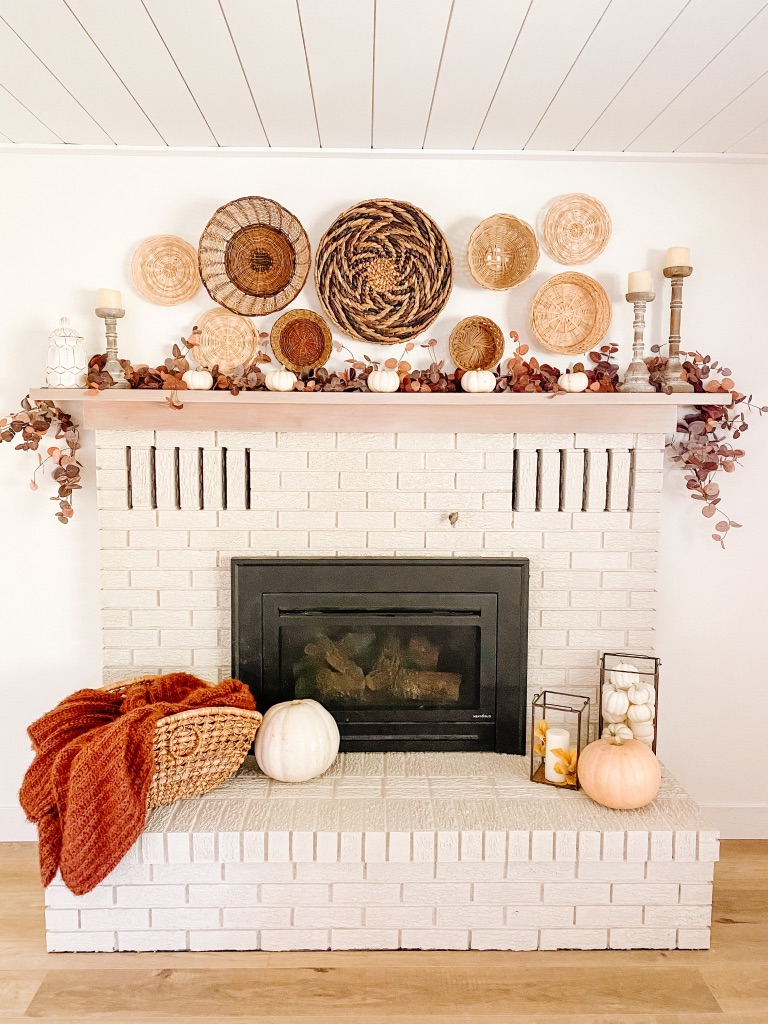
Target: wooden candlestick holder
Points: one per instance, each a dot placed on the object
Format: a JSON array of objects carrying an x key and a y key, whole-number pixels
[
  {"x": 637, "y": 378},
  {"x": 110, "y": 316},
  {"x": 674, "y": 375}
]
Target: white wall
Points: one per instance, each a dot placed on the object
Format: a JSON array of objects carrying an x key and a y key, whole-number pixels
[{"x": 70, "y": 224}]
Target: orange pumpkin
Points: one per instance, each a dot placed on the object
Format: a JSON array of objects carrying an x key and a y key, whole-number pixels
[{"x": 624, "y": 775}]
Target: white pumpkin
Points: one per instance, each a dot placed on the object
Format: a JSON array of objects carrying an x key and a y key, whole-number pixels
[
  {"x": 573, "y": 382},
  {"x": 624, "y": 675},
  {"x": 640, "y": 713},
  {"x": 478, "y": 381},
  {"x": 617, "y": 731},
  {"x": 642, "y": 694},
  {"x": 615, "y": 702},
  {"x": 198, "y": 380},
  {"x": 643, "y": 730},
  {"x": 280, "y": 380},
  {"x": 297, "y": 740},
  {"x": 383, "y": 381}
]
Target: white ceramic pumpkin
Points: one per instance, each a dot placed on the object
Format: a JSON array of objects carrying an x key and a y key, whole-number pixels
[
  {"x": 615, "y": 701},
  {"x": 280, "y": 380},
  {"x": 478, "y": 381},
  {"x": 198, "y": 380},
  {"x": 297, "y": 740},
  {"x": 383, "y": 381},
  {"x": 573, "y": 382},
  {"x": 624, "y": 675},
  {"x": 620, "y": 774},
  {"x": 642, "y": 694},
  {"x": 617, "y": 731},
  {"x": 640, "y": 713}
]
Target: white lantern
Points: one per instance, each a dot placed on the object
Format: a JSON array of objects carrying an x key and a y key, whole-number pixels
[{"x": 67, "y": 362}]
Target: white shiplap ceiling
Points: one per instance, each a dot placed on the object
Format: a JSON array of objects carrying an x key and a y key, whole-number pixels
[{"x": 606, "y": 76}]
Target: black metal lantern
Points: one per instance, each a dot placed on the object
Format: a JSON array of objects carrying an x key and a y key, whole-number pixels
[
  {"x": 559, "y": 731},
  {"x": 628, "y": 700}
]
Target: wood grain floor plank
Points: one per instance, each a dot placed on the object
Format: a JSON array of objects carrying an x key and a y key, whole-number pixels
[{"x": 16, "y": 991}]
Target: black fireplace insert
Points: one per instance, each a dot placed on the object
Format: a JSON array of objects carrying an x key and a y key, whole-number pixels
[{"x": 406, "y": 653}]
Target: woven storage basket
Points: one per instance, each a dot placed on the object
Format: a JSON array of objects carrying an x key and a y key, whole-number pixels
[
  {"x": 383, "y": 271},
  {"x": 476, "y": 343},
  {"x": 195, "y": 751},
  {"x": 226, "y": 340},
  {"x": 570, "y": 313},
  {"x": 301, "y": 340},
  {"x": 502, "y": 252},
  {"x": 576, "y": 229},
  {"x": 165, "y": 270}
]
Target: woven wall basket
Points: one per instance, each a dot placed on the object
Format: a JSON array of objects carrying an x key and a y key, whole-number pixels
[
  {"x": 195, "y": 751},
  {"x": 164, "y": 269},
  {"x": 301, "y": 340},
  {"x": 383, "y": 271},
  {"x": 254, "y": 256},
  {"x": 502, "y": 252},
  {"x": 476, "y": 343},
  {"x": 576, "y": 229},
  {"x": 570, "y": 313},
  {"x": 227, "y": 340}
]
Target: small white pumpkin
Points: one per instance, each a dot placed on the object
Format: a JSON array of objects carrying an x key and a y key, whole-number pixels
[
  {"x": 643, "y": 730},
  {"x": 614, "y": 719},
  {"x": 280, "y": 380},
  {"x": 383, "y": 381},
  {"x": 624, "y": 675},
  {"x": 297, "y": 740},
  {"x": 573, "y": 382},
  {"x": 642, "y": 694},
  {"x": 617, "y": 731},
  {"x": 478, "y": 381},
  {"x": 640, "y": 713},
  {"x": 198, "y": 380},
  {"x": 616, "y": 702}
]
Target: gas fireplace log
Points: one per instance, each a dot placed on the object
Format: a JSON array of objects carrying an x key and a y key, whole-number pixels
[
  {"x": 384, "y": 674},
  {"x": 413, "y": 684},
  {"x": 355, "y": 644},
  {"x": 334, "y": 685},
  {"x": 421, "y": 653},
  {"x": 323, "y": 649}
]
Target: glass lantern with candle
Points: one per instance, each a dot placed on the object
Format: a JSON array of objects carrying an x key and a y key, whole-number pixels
[
  {"x": 629, "y": 689},
  {"x": 559, "y": 731}
]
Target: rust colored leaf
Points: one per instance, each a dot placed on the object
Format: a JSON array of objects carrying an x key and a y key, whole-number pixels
[
  {"x": 708, "y": 511},
  {"x": 722, "y": 526},
  {"x": 727, "y": 383},
  {"x": 391, "y": 364}
]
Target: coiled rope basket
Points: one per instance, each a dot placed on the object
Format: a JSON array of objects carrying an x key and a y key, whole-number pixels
[{"x": 196, "y": 750}]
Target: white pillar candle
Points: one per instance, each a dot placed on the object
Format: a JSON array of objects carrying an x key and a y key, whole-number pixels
[
  {"x": 640, "y": 281},
  {"x": 109, "y": 298},
  {"x": 678, "y": 256},
  {"x": 557, "y": 739}
]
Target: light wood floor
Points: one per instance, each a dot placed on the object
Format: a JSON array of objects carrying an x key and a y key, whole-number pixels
[{"x": 724, "y": 985}]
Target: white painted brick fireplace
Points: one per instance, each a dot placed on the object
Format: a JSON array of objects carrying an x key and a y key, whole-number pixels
[{"x": 389, "y": 851}]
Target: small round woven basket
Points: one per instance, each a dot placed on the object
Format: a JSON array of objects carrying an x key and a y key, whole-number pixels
[
  {"x": 301, "y": 340},
  {"x": 226, "y": 340},
  {"x": 195, "y": 751},
  {"x": 164, "y": 269},
  {"x": 254, "y": 256},
  {"x": 383, "y": 271},
  {"x": 476, "y": 343},
  {"x": 576, "y": 229},
  {"x": 502, "y": 252},
  {"x": 570, "y": 313}
]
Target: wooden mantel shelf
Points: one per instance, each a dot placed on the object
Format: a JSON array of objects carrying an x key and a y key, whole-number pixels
[{"x": 355, "y": 411}]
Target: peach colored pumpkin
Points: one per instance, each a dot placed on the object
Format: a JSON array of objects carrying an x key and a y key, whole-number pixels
[{"x": 624, "y": 775}]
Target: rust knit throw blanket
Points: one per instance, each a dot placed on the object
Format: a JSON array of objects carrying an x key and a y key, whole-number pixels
[{"x": 88, "y": 784}]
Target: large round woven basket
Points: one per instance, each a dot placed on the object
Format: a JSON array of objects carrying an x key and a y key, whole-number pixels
[
  {"x": 164, "y": 269},
  {"x": 254, "y": 256},
  {"x": 502, "y": 252},
  {"x": 476, "y": 343},
  {"x": 383, "y": 271},
  {"x": 195, "y": 751},
  {"x": 226, "y": 340},
  {"x": 576, "y": 229},
  {"x": 301, "y": 340},
  {"x": 570, "y": 313}
]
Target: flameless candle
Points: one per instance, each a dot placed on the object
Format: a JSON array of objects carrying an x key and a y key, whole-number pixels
[
  {"x": 679, "y": 256},
  {"x": 109, "y": 298},
  {"x": 640, "y": 281},
  {"x": 557, "y": 739}
]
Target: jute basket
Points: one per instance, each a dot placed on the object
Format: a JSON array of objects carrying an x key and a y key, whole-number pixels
[
  {"x": 165, "y": 270},
  {"x": 576, "y": 229},
  {"x": 195, "y": 751},
  {"x": 570, "y": 313},
  {"x": 502, "y": 252},
  {"x": 476, "y": 343},
  {"x": 301, "y": 340}
]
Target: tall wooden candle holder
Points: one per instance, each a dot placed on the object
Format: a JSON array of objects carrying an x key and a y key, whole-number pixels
[
  {"x": 637, "y": 378},
  {"x": 110, "y": 316},
  {"x": 674, "y": 378}
]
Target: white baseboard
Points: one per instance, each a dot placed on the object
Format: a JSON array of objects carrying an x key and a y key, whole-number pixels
[
  {"x": 14, "y": 827},
  {"x": 738, "y": 821}
]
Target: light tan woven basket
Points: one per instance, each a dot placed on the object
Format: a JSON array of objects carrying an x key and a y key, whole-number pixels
[
  {"x": 165, "y": 270},
  {"x": 502, "y": 252},
  {"x": 570, "y": 313},
  {"x": 576, "y": 229},
  {"x": 227, "y": 340},
  {"x": 476, "y": 343},
  {"x": 195, "y": 751}
]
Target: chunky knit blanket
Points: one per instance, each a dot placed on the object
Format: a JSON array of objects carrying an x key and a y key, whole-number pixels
[{"x": 87, "y": 786}]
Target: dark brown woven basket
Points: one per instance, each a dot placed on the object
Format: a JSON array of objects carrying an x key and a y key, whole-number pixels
[
  {"x": 383, "y": 271},
  {"x": 301, "y": 340},
  {"x": 254, "y": 256}
]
